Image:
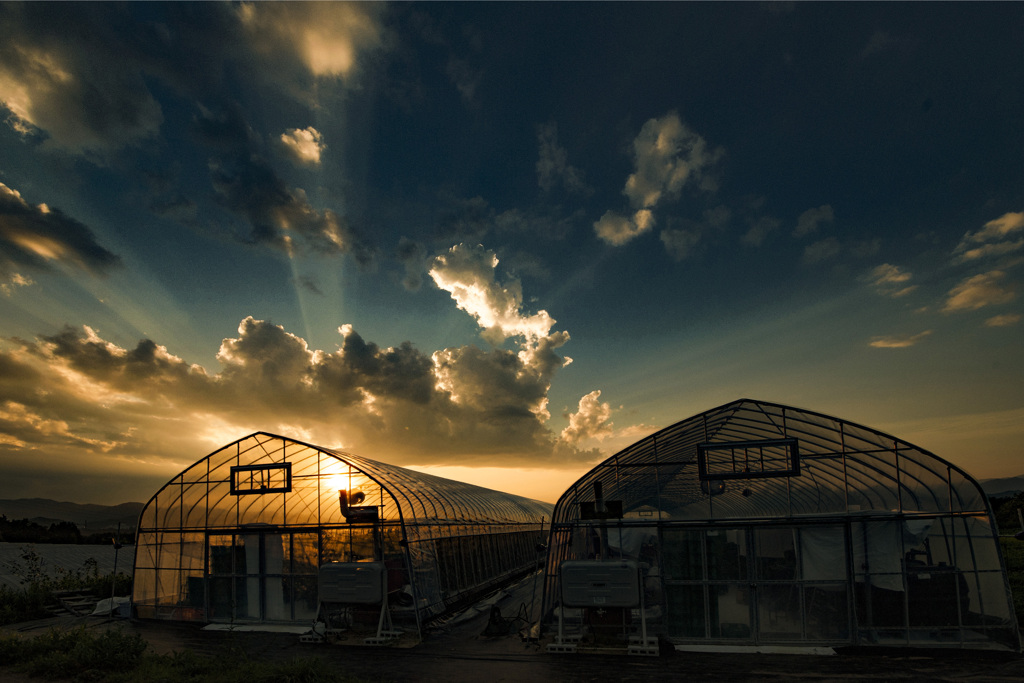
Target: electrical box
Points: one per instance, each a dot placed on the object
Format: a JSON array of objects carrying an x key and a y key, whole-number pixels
[
  {"x": 353, "y": 583},
  {"x": 600, "y": 583}
]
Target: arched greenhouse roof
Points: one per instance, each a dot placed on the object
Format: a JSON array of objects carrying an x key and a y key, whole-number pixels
[
  {"x": 204, "y": 496},
  {"x": 752, "y": 459}
]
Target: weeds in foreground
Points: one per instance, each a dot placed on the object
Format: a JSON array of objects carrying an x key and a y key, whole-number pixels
[
  {"x": 1013, "y": 555},
  {"x": 75, "y": 653},
  {"x": 39, "y": 585},
  {"x": 116, "y": 656}
]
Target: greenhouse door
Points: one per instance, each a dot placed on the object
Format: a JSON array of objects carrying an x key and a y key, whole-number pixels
[
  {"x": 262, "y": 576},
  {"x": 757, "y": 585}
]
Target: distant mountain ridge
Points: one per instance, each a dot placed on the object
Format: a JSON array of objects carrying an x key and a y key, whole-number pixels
[
  {"x": 89, "y": 517},
  {"x": 1004, "y": 486}
]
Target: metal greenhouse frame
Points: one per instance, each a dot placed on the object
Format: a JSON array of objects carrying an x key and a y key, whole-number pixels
[
  {"x": 240, "y": 535},
  {"x": 760, "y": 524}
]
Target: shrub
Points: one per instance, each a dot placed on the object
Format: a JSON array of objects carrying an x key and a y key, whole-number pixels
[
  {"x": 116, "y": 656},
  {"x": 39, "y": 586},
  {"x": 1013, "y": 555},
  {"x": 73, "y": 653},
  {"x": 23, "y": 605}
]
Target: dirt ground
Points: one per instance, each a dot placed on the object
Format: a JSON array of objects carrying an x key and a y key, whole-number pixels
[
  {"x": 458, "y": 651},
  {"x": 462, "y": 654},
  {"x": 451, "y": 657}
]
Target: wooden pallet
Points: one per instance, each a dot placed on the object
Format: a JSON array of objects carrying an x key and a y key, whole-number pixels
[{"x": 73, "y": 603}]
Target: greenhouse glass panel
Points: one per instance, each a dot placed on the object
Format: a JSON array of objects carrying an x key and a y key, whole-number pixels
[
  {"x": 780, "y": 613},
  {"x": 871, "y": 482},
  {"x": 838, "y": 535},
  {"x": 966, "y": 496},
  {"x": 685, "y": 609},
  {"x": 977, "y": 547},
  {"x": 820, "y": 488},
  {"x": 924, "y": 486},
  {"x": 265, "y": 513}
]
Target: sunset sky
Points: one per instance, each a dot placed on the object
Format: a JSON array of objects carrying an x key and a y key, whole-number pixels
[{"x": 501, "y": 241}]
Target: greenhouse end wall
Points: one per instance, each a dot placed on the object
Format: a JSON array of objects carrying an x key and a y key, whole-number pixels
[
  {"x": 756, "y": 523},
  {"x": 240, "y": 535}
]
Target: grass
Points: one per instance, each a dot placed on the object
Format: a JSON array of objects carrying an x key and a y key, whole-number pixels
[
  {"x": 116, "y": 656},
  {"x": 1013, "y": 554}
]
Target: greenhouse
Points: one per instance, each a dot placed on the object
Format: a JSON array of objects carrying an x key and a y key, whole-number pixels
[
  {"x": 244, "y": 534},
  {"x": 757, "y": 524}
]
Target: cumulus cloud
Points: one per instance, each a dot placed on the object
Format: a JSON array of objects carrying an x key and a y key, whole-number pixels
[
  {"x": 303, "y": 145},
  {"x": 1000, "y": 236},
  {"x": 39, "y": 237},
  {"x": 890, "y": 280},
  {"x": 77, "y": 398},
  {"x": 468, "y": 274},
  {"x": 13, "y": 281},
  {"x": 898, "y": 342},
  {"x": 811, "y": 219},
  {"x": 553, "y": 167},
  {"x": 69, "y": 78},
  {"x": 979, "y": 291},
  {"x": 667, "y": 156},
  {"x": 590, "y": 421}
]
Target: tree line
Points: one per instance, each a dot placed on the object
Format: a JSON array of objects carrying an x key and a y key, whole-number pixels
[
  {"x": 27, "y": 531},
  {"x": 1005, "y": 509}
]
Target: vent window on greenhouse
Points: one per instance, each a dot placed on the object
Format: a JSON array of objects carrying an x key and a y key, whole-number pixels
[
  {"x": 244, "y": 534},
  {"x": 760, "y": 524}
]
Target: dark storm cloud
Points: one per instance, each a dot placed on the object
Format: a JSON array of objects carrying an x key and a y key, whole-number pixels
[
  {"x": 309, "y": 283},
  {"x": 122, "y": 369},
  {"x": 66, "y": 69},
  {"x": 275, "y": 214},
  {"x": 191, "y": 44},
  {"x": 37, "y": 236},
  {"x": 77, "y": 71},
  {"x": 399, "y": 372}
]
